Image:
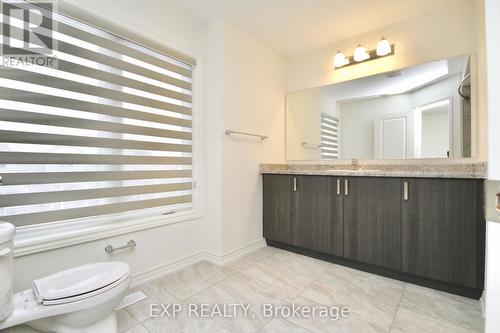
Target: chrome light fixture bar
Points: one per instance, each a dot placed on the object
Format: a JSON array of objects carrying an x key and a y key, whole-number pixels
[{"x": 384, "y": 49}]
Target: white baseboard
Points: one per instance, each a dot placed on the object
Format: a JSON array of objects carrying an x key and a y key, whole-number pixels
[
  {"x": 159, "y": 271},
  {"x": 229, "y": 256},
  {"x": 221, "y": 259}
]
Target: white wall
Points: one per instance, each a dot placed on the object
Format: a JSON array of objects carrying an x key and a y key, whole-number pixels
[
  {"x": 493, "y": 62},
  {"x": 249, "y": 97},
  {"x": 452, "y": 31},
  {"x": 303, "y": 122},
  {"x": 357, "y": 124},
  {"x": 492, "y": 10}
]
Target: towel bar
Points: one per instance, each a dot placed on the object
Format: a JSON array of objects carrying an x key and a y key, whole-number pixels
[
  {"x": 229, "y": 132},
  {"x": 110, "y": 249}
]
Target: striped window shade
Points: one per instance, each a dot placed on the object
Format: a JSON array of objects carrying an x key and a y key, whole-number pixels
[
  {"x": 329, "y": 137},
  {"x": 106, "y": 131}
]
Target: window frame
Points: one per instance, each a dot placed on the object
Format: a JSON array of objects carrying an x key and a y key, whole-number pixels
[{"x": 37, "y": 238}]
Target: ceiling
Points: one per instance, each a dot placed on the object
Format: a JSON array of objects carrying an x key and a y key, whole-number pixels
[{"x": 295, "y": 26}]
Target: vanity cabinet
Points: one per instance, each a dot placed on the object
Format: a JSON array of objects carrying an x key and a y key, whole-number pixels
[
  {"x": 280, "y": 208},
  {"x": 372, "y": 220},
  {"x": 320, "y": 216},
  {"x": 310, "y": 217},
  {"x": 443, "y": 230},
  {"x": 425, "y": 231}
]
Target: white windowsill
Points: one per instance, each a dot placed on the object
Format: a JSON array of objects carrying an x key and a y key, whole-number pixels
[{"x": 50, "y": 238}]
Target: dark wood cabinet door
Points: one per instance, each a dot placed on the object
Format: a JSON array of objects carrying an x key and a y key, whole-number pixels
[
  {"x": 372, "y": 221},
  {"x": 443, "y": 230},
  {"x": 279, "y": 207},
  {"x": 320, "y": 222}
]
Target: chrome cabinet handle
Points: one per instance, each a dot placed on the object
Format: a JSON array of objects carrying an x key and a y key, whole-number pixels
[
  {"x": 295, "y": 184},
  {"x": 405, "y": 191},
  {"x": 346, "y": 187},
  {"x": 338, "y": 186}
]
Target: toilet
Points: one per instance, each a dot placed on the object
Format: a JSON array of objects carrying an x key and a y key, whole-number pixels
[{"x": 78, "y": 300}]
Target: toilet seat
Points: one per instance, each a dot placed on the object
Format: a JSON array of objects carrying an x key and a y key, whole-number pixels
[
  {"x": 79, "y": 283},
  {"x": 30, "y": 305}
]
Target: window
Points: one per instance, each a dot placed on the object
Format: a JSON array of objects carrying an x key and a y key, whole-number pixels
[
  {"x": 107, "y": 130},
  {"x": 329, "y": 137}
]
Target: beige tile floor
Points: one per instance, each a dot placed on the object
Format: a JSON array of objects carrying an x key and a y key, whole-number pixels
[{"x": 277, "y": 277}]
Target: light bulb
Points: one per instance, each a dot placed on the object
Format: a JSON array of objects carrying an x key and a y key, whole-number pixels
[
  {"x": 360, "y": 54},
  {"x": 383, "y": 47},
  {"x": 339, "y": 59}
]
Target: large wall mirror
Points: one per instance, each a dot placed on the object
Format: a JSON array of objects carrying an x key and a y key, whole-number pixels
[{"x": 423, "y": 111}]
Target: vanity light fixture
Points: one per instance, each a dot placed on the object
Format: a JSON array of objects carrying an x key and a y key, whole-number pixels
[
  {"x": 360, "y": 54},
  {"x": 340, "y": 59},
  {"x": 384, "y": 48}
]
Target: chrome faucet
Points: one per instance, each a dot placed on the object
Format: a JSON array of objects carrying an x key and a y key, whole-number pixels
[{"x": 355, "y": 164}]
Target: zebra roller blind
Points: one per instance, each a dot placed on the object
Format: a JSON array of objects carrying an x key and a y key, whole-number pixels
[
  {"x": 106, "y": 130},
  {"x": 329, "y": 137}
]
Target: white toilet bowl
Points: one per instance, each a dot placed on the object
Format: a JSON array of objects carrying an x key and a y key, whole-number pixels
[{"x": 78, "y": 300}]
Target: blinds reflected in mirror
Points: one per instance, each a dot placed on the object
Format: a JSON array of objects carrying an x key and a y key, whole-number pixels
[
  {"x": 329, "y": 137},
  {"x": 108, "y": 130}
]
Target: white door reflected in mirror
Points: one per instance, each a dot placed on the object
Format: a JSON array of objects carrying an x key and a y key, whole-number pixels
[{"x": 391, "y": 136}]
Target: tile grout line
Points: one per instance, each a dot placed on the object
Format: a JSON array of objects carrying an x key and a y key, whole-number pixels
[
  {"x": 236, "y": 271},
  {"x": 300, "y": 295},
  {"x": 211, "y": 284},
  {"x": 145, "y": 328},
  {"x": 306, "y": 330},
  {"x": 163, "y": 290},
  {"x": 185, "y": 299},
  {"x": 397, "y": 308},
  {"x": 313, "y": 281},
  {"x": 295, "y": 298},
  {"x": 279, "y": 287},
  {"x": 218, "y": 282}
]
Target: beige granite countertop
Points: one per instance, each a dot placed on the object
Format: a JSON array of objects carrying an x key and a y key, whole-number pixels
[{"x": 452, "y": 170}]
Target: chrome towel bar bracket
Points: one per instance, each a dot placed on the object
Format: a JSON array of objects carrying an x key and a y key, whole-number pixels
[
  {"x": 229, "y": 132},
  {"x": 110, "y": 249},
  {"x": 310, "y": 145}
]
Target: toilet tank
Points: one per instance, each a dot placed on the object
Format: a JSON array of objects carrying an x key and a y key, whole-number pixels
[{"x": 7, "y": 231}]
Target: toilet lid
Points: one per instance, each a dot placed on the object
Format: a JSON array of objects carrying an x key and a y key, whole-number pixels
[
  {"x": 7, "y": 232},
  {"x": 79, "y": 280}
]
